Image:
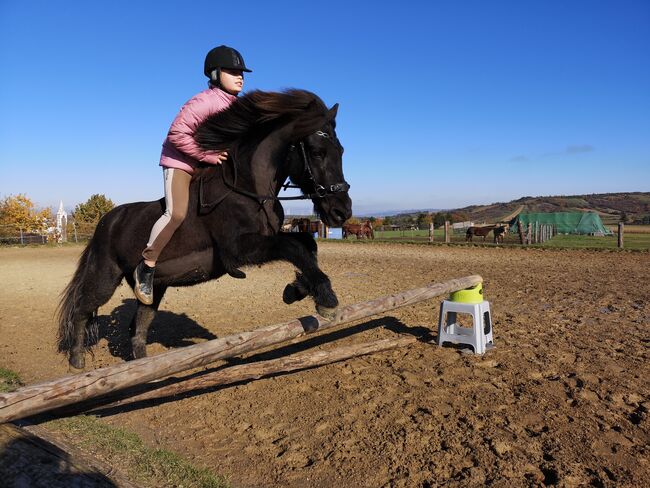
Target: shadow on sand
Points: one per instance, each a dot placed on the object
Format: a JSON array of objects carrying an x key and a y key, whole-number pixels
[{"x": 169, "y": 329}]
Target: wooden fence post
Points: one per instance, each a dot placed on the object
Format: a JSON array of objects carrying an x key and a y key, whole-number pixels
[
  {"x": 431, "y": 232},
  {"x": 447, "y": 236},
  {"x": 620, "y": 235},
  {"x": 522, "y": 241}
]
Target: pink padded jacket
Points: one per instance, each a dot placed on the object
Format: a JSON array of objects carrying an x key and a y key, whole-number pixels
[{"x": 180, "y": 150}]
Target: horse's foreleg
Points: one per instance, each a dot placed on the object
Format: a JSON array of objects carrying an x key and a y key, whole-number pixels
[
  {"x": 299, "y": 249},
  {"x": 142, "y": 319}
]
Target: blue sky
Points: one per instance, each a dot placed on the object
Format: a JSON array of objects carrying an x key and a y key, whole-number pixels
[{"x": 442, "y": 103}]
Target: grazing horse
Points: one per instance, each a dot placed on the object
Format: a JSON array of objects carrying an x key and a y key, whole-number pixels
[
  {"x": 363, "y": 230},
  {"x": 234, "y": 215},
  {"x": 478, "y": 231},
  {"x": 499, "y": 232}
]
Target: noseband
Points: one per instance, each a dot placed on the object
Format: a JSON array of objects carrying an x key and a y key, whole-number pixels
[{"x": 320, "y": 191}]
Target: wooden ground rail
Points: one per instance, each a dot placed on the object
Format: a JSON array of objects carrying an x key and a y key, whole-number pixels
[{"x": 34, "y": 399}]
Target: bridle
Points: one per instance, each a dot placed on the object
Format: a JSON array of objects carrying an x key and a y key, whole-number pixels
[{"x": 319, "y": 191}]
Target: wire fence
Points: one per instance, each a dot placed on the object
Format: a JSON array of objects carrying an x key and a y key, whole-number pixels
[{"x": 72, "y": 232}]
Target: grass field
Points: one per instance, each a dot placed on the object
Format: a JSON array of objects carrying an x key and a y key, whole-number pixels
[
  {"x": 146, "y": 465},
  {"x": 631, "y": 241},
  {"x": 632, "y": 229},
  {"x": 635, "y": 237}
]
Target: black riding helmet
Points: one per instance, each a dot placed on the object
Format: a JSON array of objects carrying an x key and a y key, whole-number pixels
[{"x": 222, "y": 57}]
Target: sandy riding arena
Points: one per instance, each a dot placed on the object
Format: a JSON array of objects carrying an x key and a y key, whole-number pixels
[{"x": 562, "y": 400}]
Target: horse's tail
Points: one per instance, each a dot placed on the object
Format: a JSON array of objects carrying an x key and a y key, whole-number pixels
[{"x": 70, "y": 299}]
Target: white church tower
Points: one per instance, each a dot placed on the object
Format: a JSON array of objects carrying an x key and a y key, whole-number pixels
[{"x": 61, "y": 224}]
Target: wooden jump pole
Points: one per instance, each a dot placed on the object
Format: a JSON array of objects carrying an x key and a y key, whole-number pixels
[
  {"x": 261, "y": 369},
  {"x": 34, "y": 399}
]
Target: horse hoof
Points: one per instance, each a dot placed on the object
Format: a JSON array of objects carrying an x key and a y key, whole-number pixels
[
  {"x": 139, "y": 351},
  {"x": 289, "y": 294},
  {"x": 78, "y": 361},
  {"x": 292, "y": 293},
  {"x": 236, "y": 273},
  {"x": 327, "y": 312}
]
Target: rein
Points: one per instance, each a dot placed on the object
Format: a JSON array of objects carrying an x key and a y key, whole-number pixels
[{"x": 320, "y": 191}]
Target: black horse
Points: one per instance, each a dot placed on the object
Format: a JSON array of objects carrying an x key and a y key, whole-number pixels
[{"x": 234, "y": 216}]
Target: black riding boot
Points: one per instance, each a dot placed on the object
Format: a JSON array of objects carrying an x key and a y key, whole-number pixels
[{"x": 143, "y": 289}]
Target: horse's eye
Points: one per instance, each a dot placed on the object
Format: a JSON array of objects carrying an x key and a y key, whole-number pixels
[{"x": 317, "y": 153}]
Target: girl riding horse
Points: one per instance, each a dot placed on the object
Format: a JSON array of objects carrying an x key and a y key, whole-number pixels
[{"x": 225, "y": 68}]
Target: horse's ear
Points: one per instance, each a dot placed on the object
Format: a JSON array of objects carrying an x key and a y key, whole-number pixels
[{"x": 331, "y": 113}]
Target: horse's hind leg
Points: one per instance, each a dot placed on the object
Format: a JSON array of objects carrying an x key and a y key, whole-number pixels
[
  {"x": 94, "y": 295},
  {"x": 142, "y": 319},
  {"x": 79, "y": 324}
]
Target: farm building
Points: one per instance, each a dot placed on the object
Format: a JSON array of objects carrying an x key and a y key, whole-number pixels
[{"x": 587, "y": 223}]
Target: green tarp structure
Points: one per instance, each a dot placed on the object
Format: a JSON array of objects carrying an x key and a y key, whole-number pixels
[{"x": 588, "y": 223}]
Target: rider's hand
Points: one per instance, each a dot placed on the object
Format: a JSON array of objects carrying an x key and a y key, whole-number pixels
[{"x": 216, "y": 157}]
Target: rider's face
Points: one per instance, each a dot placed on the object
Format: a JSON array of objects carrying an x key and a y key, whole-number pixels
[{"x": 232, "y": 80}]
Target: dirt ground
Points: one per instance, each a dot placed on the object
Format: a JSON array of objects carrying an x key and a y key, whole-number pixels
[{"x": 562, "y": 400}]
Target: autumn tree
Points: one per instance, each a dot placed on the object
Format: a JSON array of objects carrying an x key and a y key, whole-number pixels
[
  {"x": 93, "y": 209},
  {"x": 19, "y": 214}
]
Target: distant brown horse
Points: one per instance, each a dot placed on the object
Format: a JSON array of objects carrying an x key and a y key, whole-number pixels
[
  {"x": 478, "y": 231},
  {"x": 499, "y": 233},
  {"x": 302, "y": 224},
  {"x": 305, "y": 225},
  {"x": 362, "y": 231}
]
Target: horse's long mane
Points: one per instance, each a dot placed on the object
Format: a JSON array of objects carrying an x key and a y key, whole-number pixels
[{"x": 257, "y": 111}]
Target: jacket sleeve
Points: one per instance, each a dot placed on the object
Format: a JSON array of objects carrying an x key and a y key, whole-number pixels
[{"x": 181, "y": 133}]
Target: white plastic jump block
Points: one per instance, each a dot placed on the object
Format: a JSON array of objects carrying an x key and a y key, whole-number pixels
[{"x": 479, "y": 336}]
